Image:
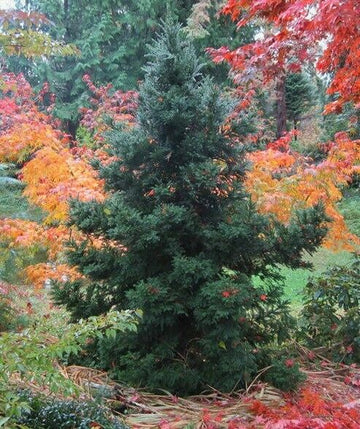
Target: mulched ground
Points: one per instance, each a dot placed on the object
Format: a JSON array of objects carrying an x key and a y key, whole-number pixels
[{"x": 329, "y": 399}]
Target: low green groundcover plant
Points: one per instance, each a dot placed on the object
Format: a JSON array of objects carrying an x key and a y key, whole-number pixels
[{"x": 65, "y": 414}]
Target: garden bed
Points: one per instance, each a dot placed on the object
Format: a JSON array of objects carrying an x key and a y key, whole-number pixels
[{"x": 330, "y": 398}]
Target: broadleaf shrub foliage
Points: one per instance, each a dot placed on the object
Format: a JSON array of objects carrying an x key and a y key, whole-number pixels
[
  {"x": 331, "y": 313},
  {"x": 31, "y": 353},
  {"x": 45, "y": 413}
]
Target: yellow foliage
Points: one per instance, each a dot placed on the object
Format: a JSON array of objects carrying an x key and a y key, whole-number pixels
[
  {"x": 54, "y": 176},
  {"x": 18, "y": 143},
  {"x": 282, "y": 182},
  {"x": 38, "y": 275}
]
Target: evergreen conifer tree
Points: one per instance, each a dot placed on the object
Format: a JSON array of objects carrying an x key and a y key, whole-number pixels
[
  {"x": 111, "y": 36},
  {"x": 298, "y": 97},
  {"x": 184, "y": 239}
]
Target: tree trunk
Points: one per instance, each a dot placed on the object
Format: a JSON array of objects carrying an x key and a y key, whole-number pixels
[
  {"x": 66, "y": 15},
  {"x": 280, "y": 107},
  {"x": 295, "y": 128}
]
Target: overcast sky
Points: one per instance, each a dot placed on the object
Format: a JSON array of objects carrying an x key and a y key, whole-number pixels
[{"x": 6, "y": 3}]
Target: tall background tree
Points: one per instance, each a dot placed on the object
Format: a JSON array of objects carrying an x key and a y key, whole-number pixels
[
  {"x": 111, "y": 36},
  {"x": 298, "y": 97},
  {"x": 23, "y": 34},
  {"x": 183, "y": 239}
]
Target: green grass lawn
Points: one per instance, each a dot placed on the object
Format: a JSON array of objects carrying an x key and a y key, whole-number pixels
[
  {"x": 14, "y": 205},
  {"x": 12, "y": 202},
  {"x": 295, "y": 280},
  {"x": 350, "y": 208}
]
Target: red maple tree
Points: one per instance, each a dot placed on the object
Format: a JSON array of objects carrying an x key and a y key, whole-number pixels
[
  {"x": 294, "y": 32},
  {"x": 325, "y": 32}
]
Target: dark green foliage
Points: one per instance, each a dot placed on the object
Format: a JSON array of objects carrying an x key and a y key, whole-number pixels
[
  {"x": 331, "y": 314},
  {"x": 14, "y": 205},
  {"x": 47, "y": 413},
  {"x": 298, "y": 96},
  {"x": 285, "y": 375},
  {"x": 208, "y": 28},
  {"x": 6, "y": 313},
  {"x": 193, "y": 239},
  {"x": 111, "y": 36}
]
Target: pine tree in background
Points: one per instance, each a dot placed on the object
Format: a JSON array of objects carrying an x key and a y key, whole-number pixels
[
  {"x": 298, "y": 97},
  {"x": 209, "y": 28},
  {"x": 183, "y": 240},
  {"x": 111, "y": 36}
]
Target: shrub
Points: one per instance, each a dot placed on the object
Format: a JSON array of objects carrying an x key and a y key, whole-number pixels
[
  {"x": 65, "y": 414},
  {"x": 331, "y": 314},
  {"x": 31, "y": 353}
]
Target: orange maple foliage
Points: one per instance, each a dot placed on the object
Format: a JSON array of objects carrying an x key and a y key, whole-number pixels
[
  {"x": 18, "y": 233},
  {"x": 54, "y": 176},
  {"x": 24, "y": 233},
  {"x": 298, "y": 31},
  {"x": 52, "y": 171},
  {"x": 282, "y": 181},
  {"x": 39, "y": 274},
  {"x": 23, "y": 139}
]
